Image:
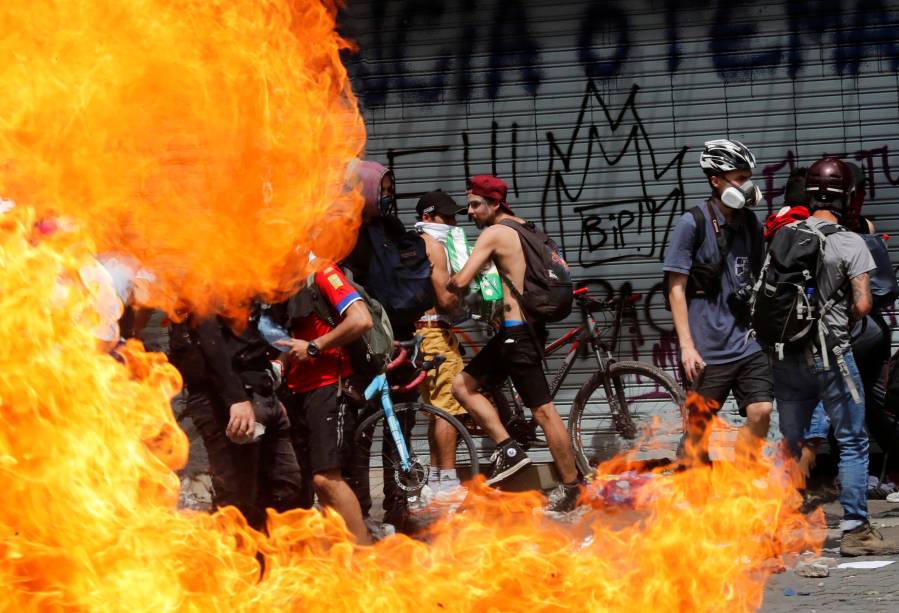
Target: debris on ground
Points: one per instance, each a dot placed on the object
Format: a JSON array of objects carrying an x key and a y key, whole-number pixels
[
  {"x": 617, "y": 490},
  {"x": 866, "y": 564},
  {"x": 196, "y": 493},
  {"x": 812, "y": 570}
]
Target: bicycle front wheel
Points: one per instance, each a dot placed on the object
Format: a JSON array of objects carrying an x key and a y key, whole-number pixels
[
  {"x": 432, "y": 437},
  {"x": 645, "y": 417}
]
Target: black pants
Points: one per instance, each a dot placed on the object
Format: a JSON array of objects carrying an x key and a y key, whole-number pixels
[
  {"x": 254, "y": 476},
  {"x": 871, "y": 349}
]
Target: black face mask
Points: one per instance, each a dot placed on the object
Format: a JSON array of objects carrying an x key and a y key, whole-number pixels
[{"x": 387, "y": 205}]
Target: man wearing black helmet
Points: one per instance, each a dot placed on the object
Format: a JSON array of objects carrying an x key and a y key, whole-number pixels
[
  {"x": 715, "y": 250},
  {"x": 871, "y": 336},
  {"x": 825, "y": 369}
]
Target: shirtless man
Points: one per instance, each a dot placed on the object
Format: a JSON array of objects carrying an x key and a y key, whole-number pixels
[{"x": 512, "y": 352}]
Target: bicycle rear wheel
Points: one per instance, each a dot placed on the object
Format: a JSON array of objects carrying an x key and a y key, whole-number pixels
[
  {"x": 383, "y": 487},
  {"x": 649, "y": 422}
]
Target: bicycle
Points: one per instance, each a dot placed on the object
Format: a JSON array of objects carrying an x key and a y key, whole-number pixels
[
  {"x": 400, "y": 445},
  {"x": 625, "y": 406}
]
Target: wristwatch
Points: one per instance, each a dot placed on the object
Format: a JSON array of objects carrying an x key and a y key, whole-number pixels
[{"x": 312, "y": 350}]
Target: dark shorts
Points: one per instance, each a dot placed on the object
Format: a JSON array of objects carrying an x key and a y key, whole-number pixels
[
  {"x": 322, "y": 428},
  {"x": 512, "y": 353},
  {"x": 750, "y": 379}
]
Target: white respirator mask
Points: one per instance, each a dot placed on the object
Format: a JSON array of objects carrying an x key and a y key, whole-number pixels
[{"x": 736, "y": 197}]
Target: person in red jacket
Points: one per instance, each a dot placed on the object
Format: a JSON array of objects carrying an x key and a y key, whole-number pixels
[{"x": 321, "y": 422}]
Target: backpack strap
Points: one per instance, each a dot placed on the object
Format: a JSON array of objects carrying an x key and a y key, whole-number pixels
[
  {"x": 324, "y": 313},
  {"x": 841, "y": 292},
  {"x": 699, "y": 234},
  {"x": 521, "y": 227},
  {"x": 755, "y": 240},
  {"x": 318, "y": 302},
  {"x": 518, "y": 227},
  {"x": 837, "y": 296},
  {"x": 720, "y": 241},
  {"x": 698, "y": 239}
]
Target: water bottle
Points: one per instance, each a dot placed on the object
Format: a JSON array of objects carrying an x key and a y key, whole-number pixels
[
  {"x": 810, "y": 299},
  {"x": 272, "y": 332}
]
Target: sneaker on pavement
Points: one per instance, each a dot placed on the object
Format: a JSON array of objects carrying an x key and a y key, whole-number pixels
[
  {"x": 894, "y": 497},
  {"x": 563, "y": 499},
  {"x": 449, "y": 500},
  {"x": 377, "y": 530},
  {"x": 446, "y": 482},
  {"x": 505, "y": 462},
  {"x": 866, "y": 541},
  {"x": 434, "y": 478}
]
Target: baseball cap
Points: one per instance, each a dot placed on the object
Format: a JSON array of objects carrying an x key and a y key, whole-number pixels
[
  {"x": 490, "y": 187},
  {"x": 438, "y": 202}
]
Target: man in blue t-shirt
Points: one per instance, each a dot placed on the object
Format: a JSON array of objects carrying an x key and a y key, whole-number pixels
[{"x": 709, "y": 272}]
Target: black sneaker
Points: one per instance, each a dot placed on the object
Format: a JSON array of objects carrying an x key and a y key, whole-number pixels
[
  {"x": 563, "y": 499},
  {"x": 505, "y": 462}
]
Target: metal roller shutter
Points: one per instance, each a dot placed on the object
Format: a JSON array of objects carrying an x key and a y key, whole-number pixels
[{"x": 595, "y": 114}]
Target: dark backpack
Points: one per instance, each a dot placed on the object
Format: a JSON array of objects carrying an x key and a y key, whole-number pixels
[
  {"x": 785, "y": 306},
  {"x": 548, "y": 290},
  {"x": 704, "y": 280},
  {"x": 371, "y": 352},
  {"x": 884, "y": 288},
  {"x": 399, "y": 271}
]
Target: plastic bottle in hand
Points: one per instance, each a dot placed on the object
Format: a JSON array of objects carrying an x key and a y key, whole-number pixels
[{"x": 271, "y": 331}]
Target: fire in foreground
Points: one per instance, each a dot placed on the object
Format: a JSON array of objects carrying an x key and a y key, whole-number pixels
[{"x": 181, "y": 132}]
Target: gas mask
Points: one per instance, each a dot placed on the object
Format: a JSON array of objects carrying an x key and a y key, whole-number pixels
[{"x": 736, "y": 197}]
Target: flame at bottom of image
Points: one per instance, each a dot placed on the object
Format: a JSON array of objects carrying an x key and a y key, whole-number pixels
[{"x": 89, "y": 519}]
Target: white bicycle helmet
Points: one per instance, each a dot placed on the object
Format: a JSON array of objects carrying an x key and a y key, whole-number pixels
[{"x": 722, "y": 155}]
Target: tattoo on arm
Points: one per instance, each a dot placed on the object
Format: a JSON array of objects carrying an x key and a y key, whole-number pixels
[{"x": 861, "y": 294}]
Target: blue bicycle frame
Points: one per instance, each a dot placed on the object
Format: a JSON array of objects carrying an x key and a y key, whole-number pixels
[{"x": 380, "y": 386}]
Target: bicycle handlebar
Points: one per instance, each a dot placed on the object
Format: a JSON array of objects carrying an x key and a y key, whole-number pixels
[
  {"x": 413, "y": 384},
  {"x": 399, "y": 359},
  {"x": 413, "y": 345},
  {"x": 403, "y": 356},
  {"x": 582, "y": 295}
]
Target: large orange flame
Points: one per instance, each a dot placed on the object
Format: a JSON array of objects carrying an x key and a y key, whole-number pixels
[{"x": 209, "y": 138}]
